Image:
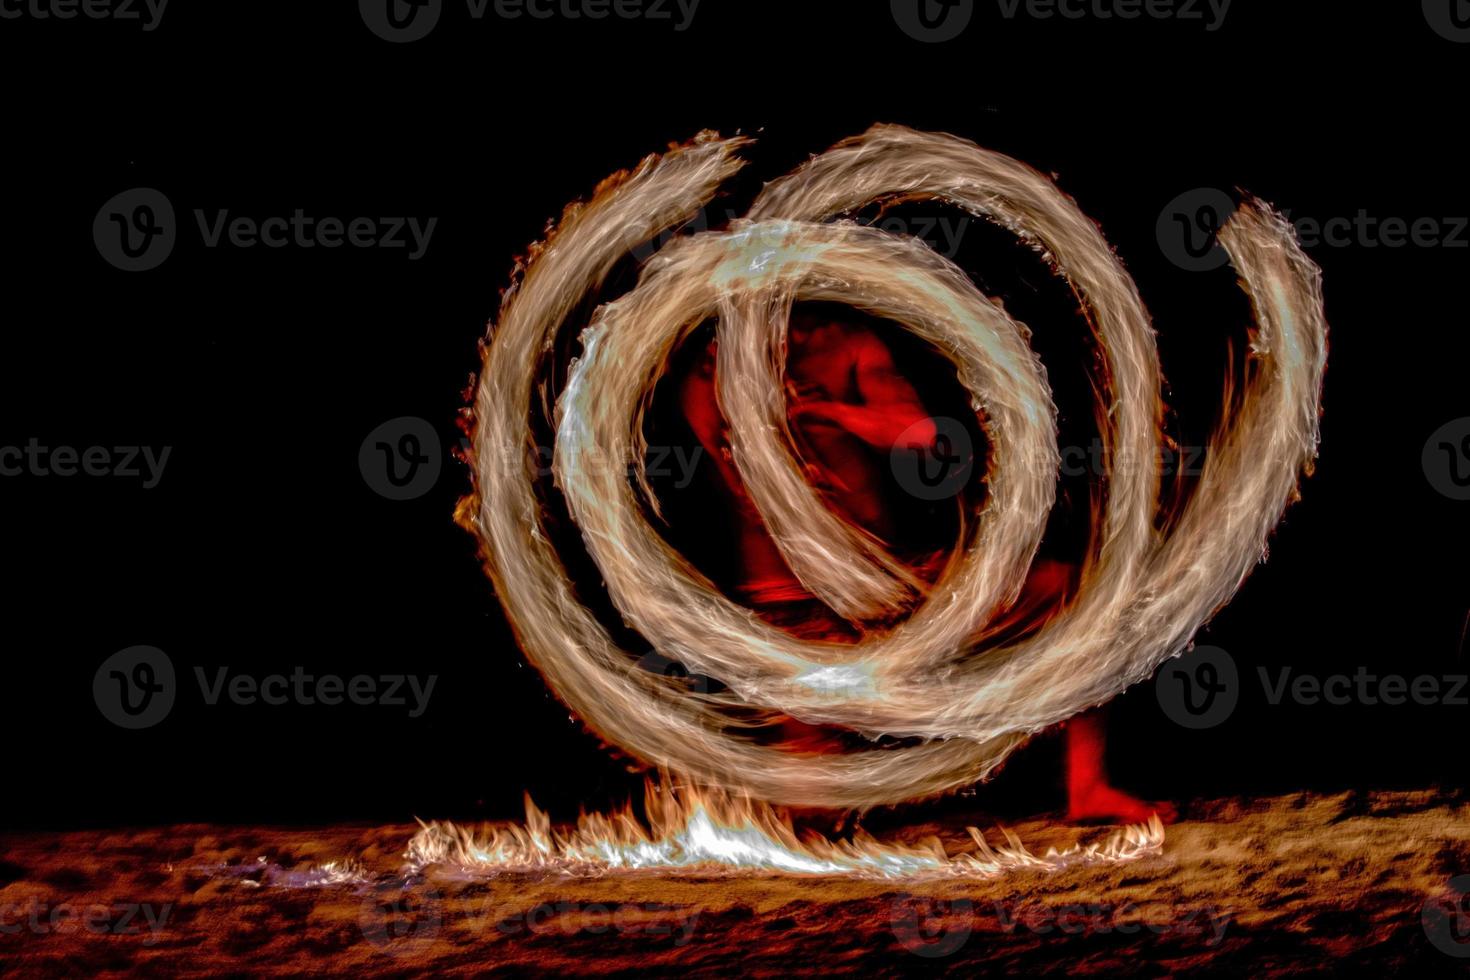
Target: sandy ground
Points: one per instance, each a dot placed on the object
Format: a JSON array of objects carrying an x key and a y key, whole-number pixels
[{"x": 1264, "y": 887}]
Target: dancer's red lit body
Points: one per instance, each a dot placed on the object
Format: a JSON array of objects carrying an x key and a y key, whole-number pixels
[{"x": 848, "y": 407}]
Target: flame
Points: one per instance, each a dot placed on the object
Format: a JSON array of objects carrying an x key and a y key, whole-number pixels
[
  {"x": 960, "y": 703},
  {"x": 264, "y": 873},
  {"x": 686, "y": 828}
]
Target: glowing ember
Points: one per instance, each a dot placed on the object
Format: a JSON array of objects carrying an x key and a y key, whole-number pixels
[
  {"x": 961, "y": 703},
  {"x": 714, "y": 832}
]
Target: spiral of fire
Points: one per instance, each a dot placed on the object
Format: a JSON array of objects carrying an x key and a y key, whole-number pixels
[{"x": 959, "y": 702}]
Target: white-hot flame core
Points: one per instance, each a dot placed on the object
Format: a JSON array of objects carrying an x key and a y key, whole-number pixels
[
  {"x": 712, "y": 832},
  {"x": 933, "y": 676}
]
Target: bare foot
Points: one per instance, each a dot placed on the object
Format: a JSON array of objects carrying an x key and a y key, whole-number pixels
[
  {"x": 1102, "y": 802},
  {"x": 1089, "y": 794}
]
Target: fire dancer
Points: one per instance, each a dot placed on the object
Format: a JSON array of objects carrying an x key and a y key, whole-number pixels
[{"x": 848, "y": 406}]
